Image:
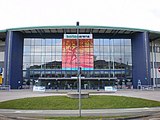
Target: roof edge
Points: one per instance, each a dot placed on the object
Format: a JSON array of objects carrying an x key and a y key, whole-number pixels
[
  {"x": 3, "y": 31},
  {"x": 72, "y": 26},
  {"x": 81, "y": 26}
]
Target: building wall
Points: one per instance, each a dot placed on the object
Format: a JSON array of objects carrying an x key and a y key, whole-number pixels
[{"x": 140, "y": 57}]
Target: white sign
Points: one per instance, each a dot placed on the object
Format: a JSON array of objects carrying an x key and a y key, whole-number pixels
[
  {"x": 77, "y": 77},
  {"x": 110, "y": 89},
  {"x": 39, "y": 88},
  {"x": 80, "y": 36}
]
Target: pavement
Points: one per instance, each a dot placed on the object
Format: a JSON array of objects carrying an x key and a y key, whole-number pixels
[
  {"x": 149, "y": 113},
  {"x": 95, "y": 112},
  {"x": 17, "y": 94}
]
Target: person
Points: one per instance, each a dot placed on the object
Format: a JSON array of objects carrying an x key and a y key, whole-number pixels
[
  {"x": 49, "y": 85},
  {"x": 139, "y": 84}
]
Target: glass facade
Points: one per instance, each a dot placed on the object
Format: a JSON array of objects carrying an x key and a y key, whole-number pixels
[
  {"x": 112, "y": 58},
  {"x": 42, "y": 57},
  {"x": 155, "y": 62},
  {"x": 2, "y": 52}
]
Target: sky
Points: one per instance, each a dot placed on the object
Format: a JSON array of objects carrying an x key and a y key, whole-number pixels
[{"x": 144, "y": 14}]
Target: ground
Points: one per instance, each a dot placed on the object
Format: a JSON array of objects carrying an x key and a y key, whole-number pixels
[{"x": 15, "y": 94}]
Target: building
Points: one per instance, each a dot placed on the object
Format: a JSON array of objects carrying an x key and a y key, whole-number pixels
[{"x": 51, "y": 55}]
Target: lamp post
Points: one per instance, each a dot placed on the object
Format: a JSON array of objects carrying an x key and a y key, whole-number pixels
[
  {"x": 155, "y": 60},
  {"x": 79, "y": 69}
]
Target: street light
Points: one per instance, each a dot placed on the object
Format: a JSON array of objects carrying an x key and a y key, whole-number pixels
[{"x": 79, "y": 68}]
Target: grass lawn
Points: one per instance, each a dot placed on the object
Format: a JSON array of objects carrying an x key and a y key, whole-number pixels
[
  {"x": 89, "y": 118},
  {"x": 65, "y": 103}
]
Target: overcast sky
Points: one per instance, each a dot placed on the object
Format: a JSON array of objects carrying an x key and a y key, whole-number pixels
[{"x": 143, "y": 14}]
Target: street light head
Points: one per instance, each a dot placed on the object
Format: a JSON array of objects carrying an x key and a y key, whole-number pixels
[{"x": 77, "y": 23}]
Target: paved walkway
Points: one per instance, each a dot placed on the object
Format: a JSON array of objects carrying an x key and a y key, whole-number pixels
[
  {"x": 16, "y": 94},
  {"x": 10, "y": 114},
  {"x": 98, "y": 112}
]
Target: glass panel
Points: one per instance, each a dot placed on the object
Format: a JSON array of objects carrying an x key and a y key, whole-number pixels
[
  {"x": 37, "y": 59},
  {"x": 58, "y": 42},
  {"x": 106, "y": 50},
  {"x": 117, "y": 49},
  {"x": 53, "y": 49},
  {"x": 127, "y": 49},
  {"x": 127, "y": 41},
  {"x": 106, "y": 41},
  {"x": 47, "y": 59},
  {"x": 101, "y": 42},
  {"x": 58, "y": 58},
  {"x": 96, "y": 42},
  {"x": 26, "y": 59},
  {"x": 32, "y": 41},
  {"x": 38, "y": 49},
  {"x": 32, "y": 49},
  {"x": 96, "y": 49},
  {"x": 27, "y": 42},
  {"x": 43, "y": 42},
  {"x": 48, "y": 49},
  {"x": 27, "y": 49},
  {"x": 58, "y": 49},
  {"x": 48, "y": 42},
  {"x": 117, "y": 41},
  {"x": 38, "y": 42}
]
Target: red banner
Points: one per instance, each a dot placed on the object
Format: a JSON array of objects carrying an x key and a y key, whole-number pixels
[{"x": 71, "y": 55}]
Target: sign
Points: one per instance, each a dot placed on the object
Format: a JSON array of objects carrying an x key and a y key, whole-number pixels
[
  {"x": 77, "y": 77},
  {"x": 110, "y": 89},
  {"x": 159, "y": 69},
  {"x": 39, "y": 88},
  {"x": 80, "y": 36},
  {"x": 73, "y": 56}
]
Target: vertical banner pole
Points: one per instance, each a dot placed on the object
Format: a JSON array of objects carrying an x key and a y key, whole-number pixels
[{"x": 79, "y": 69}]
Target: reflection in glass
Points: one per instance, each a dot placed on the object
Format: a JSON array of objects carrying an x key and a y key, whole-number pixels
[
  {"x": 112, "y": 58},
  {"x": 38, "y": 42}
]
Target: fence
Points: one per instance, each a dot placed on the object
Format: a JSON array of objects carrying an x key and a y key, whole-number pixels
[
  {"x": 4, "y": 87},
  {"x": 145, "y": 87}
]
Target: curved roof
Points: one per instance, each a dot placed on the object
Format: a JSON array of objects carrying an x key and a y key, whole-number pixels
[
  {"x": 83, "y": 26},
  {"x": 82, "y": 29}
]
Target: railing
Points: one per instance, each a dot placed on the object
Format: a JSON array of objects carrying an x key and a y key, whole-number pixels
[
  {"x": 4, "y": 87},
  {"x": 145, "y": 87}
]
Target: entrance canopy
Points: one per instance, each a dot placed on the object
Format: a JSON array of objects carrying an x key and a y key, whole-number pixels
[{"x": 153, "y": 35}]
